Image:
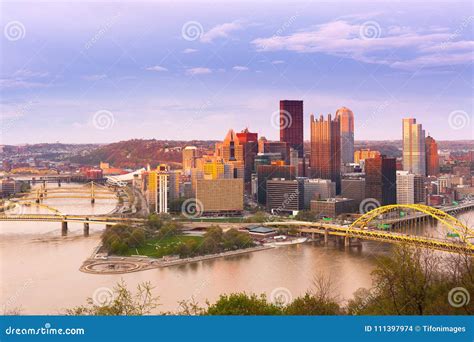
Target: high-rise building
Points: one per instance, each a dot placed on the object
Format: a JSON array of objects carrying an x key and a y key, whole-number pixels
[
  {"x": 346, "y": 122},
  {"x": 250, "y": 142},
  {"x": 230, "y": 149},
  {"x": 410, "y": 188},
  {"x": 414, "y": 159},
  {"x": 189, "y": 158},
  {"x": 156, "y": 188},
  {"x": 432, "y": 158},
  {"x": 325, "y": 158},
  {"x": 267, "y": 172},
  {"x": 220, "y": 196},
  {"x": 380, "y": 179},
  {"x": 291, "y": 124}
]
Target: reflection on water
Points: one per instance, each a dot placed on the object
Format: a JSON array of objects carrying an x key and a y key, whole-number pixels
[{"x": 39, "y": 268}]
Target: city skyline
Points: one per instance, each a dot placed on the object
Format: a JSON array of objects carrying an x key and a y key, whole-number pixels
[{"x": 192, "y": 77}]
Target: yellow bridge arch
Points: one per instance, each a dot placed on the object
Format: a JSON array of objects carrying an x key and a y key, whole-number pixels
[{"x": 452, "y": 223}]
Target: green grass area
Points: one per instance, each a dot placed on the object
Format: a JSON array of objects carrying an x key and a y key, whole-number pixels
[{"x": 158, "y": 247}]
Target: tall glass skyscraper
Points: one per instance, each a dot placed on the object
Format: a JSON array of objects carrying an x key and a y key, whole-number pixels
[
  {"x": 325, "y": 158},
  {"x": 291, "y": 124},
  {"x": 346, "y": 121},
  {"x": 414, "y": 155}
]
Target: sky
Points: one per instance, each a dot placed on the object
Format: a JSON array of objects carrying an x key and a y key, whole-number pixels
[{"x": 99, "y": 72}]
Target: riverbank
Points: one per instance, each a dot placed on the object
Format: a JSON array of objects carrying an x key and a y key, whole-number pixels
[{"x": 100, "y": 264}]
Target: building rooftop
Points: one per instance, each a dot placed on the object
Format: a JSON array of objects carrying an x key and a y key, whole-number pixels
[{"x": 261, "y": 230}]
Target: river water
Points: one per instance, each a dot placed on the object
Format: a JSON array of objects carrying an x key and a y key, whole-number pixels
[{"x": 39, "y": 269}]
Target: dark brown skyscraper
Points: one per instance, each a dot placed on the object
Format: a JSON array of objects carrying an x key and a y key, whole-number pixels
[
  {"x": 381, "y": 179},
  {"x": 432, "y": 157},
  {"x": 325, "y": 158},
  {"x": 291, "y": 124}
]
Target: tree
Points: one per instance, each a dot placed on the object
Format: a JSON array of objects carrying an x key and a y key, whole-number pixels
[
  {"x": 243, "y": 304},
  {"x": 154, "y": 222},
  {"x": 305, "y": 215},
  {"x": 120, "y": 302},
  {"x": 312, "y": 305}
]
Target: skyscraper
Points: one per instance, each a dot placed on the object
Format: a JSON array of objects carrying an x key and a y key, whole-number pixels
[
  {"x": 189, "y": 158},
  {"x": 432, "y": 157},
  {"x": 414, "y": 158},
  {"x": 250, "y": 143},
  {"x": 380, "y": 179},
  {"x": 346, "y": 122},
  {"x": 325, "y": 158},
  {"x": 291, "y": 124}
]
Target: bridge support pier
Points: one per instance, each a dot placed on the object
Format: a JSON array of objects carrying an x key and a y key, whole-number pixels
[
  {"x": 347, "y": 241},
  {"x": 326, "y": 237},
  {"x": 64, "y": 228},
  {"x": 92, "y": 200},
  {"x": 86, "y": 229}
]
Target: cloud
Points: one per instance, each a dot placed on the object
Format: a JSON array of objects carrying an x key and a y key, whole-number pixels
[
  {"x": 198, "y": 71},
  {"x": 370, "y": 43},
  {"x": 190, "y": 50},
  {"x": 278, "y": 62},
  {"x": 26, "y": 73},
  {"x": 157, "y": 68},
  {"x": 96, "y": 77},
  {"x": 220, "y": 31},
  {"x": 240, "y": 68}
]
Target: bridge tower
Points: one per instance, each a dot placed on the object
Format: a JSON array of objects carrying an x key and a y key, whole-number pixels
[
  {"x": 92, "y": 193},
  {"x": 86, "y": 227}
]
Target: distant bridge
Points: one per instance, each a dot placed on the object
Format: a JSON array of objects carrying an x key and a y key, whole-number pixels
[
  {"x": 91, "y": 191},
  {"x": 65, "y": 219}
]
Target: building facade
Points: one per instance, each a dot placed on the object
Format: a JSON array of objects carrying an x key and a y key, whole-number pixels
[
  {"x": 432, "y": 157},
  {"x": 346, "y": 122},
  {"x": 325, "y": 158},
  {"x": 285, "y": 196},
  {"x": 220, "y": 196},
  {"x": 291, "y": 124},
  {"x": 268, "y": 172},
  {"x": 414, "y": 152},
  {"x": 381, "y": 179}
]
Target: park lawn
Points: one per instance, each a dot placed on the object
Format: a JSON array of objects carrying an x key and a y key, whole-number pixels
[{"x": 158, "y": 247}]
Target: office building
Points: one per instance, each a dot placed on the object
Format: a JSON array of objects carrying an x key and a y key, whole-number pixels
[
  {"x": 189, "y": 155},
  {"x": 285, "y": 196},
  {"x": 250, "y": 145},
  {"x": 414, "y": 153},
  {"x": 353, "y": 188},
  {"x": 317, "y": 189},
  {"x": 325, "y": 158},
  {"x": 333, "y": 207},
  {"x": 432, "y": 157},
  {"x": 220, "y": 196},
  {"x": 346, "y": 122},
  {"x": 380, "y": 179},
  {"x": 291, "y": 124},
  {"x": 156, "y": 188},
  {"x": 268, "y": 172},
  {"x": 410, "y": 188}
]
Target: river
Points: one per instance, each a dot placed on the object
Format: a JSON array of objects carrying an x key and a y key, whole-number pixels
[{"x": 39, "y": 268}]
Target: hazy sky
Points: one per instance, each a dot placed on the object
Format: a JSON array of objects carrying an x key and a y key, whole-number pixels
[{"x": 101, "y": 72}]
